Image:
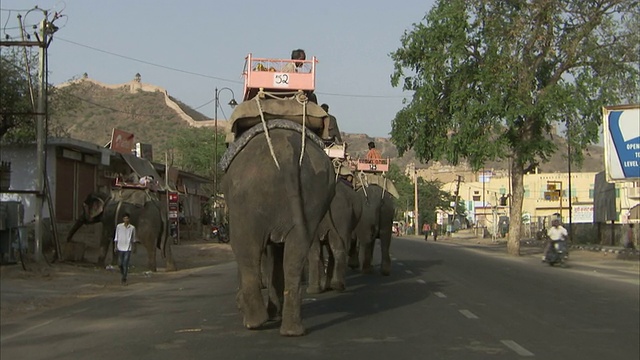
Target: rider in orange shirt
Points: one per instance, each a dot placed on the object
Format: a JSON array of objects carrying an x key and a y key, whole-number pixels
[{"x": 373, "y": 153}]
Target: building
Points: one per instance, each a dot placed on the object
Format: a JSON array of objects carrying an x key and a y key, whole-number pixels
[{"x": 75, "y": 168}]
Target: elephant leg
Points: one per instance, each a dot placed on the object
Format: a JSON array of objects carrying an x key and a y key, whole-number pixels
[
  {"x": 295, "y": 253},
  {"x": 276, "y": 283},
  {"x": 102, "y": 256},
  {"x": 151, "y": 256},
  {"x": 354, "y": 257},
  {"x": 385, "y": 244},
  {"x": 171, "y": 265},
  {"x": 105, "y": 245},
  {"x": 249, "y": 296},
  {"x": 366, "y": 248},
  {"x": 339, "y": 270},
  {"x": 316, "y": 267}
]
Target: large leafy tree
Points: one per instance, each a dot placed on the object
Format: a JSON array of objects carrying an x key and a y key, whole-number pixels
[{"x": 492, "y": 79}]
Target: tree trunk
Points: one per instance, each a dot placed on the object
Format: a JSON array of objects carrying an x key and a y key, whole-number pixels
[{"x": 515, "y": 213}]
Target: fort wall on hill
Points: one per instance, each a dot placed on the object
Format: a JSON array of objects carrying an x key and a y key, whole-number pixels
[{"x": 136, "y": 85}]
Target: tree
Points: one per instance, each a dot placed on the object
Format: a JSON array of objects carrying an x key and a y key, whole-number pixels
[
  {"x": 194, "y": 149},
  {"x": 16, "y": 109},
  {"x": 431, "y": 197},
  {"x": 492, "y": 79},
  {"x": 19, "y": 88}
]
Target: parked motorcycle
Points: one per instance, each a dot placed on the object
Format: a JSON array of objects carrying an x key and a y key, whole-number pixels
[
  {"x": 219, "y": 233},
  {"x": 557, "y": 254}
]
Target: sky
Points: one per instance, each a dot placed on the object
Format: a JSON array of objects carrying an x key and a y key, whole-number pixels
[{"x": 191, "y": 47}]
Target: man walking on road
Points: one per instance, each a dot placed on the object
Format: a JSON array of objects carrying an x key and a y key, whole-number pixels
[
  {"x": 123, "y": 242},
  {"x": 425, "y": 230}
]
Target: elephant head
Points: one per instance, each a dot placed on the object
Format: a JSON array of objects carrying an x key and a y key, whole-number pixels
[{"x": 92, "y": 210}]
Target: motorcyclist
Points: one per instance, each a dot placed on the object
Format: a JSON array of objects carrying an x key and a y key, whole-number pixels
[{"x": 555, "y": 233}]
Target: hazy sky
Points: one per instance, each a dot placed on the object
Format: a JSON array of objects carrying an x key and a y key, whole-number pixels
[{"x": 191, "y": 47}]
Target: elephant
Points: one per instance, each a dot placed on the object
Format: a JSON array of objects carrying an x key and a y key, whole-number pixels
[
  {"x": 334, "y": 233},
  {"x": 146, "y": 214},
  {"x": 376, "y": 222},
  {"x": 278, "y": 186}
]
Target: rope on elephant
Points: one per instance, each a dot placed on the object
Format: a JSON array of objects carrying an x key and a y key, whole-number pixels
[
  {"x": 302, "y": 99},
  {"x": 266, "y": 130}
]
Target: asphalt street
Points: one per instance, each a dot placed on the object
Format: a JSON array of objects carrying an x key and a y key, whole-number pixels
[{"x": 442, "y": 301}]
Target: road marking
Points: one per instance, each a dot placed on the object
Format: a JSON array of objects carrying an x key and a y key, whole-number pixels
[
  {"x": 394, "y": 259},
  {"x": 440, "y": 295},
  {"x": 401, "y": 264},
  {"x": 409, "y": 272},
  {"x": 516, "y": 347},
  {"x": 420, "y": 281},
  {"x": 468, "y": 314}
]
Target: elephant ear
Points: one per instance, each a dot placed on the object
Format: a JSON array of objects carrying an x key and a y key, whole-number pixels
[{"x": 95, "y": 207}]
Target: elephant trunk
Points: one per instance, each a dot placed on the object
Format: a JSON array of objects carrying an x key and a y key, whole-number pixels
[{"x": 77, "y": 225}]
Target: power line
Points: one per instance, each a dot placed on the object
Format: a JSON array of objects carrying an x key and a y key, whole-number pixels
[
  {"x": 149, "y": 63},
  {"x": 216, "y": 77}
]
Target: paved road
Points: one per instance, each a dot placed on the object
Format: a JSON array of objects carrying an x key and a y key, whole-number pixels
[{"x": 443, "y": 301}]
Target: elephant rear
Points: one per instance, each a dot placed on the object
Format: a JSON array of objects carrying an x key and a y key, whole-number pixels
[{"x": 276, "y": 199}]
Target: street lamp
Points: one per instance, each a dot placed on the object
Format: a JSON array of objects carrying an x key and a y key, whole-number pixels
[{"x": 233, "y": 104}]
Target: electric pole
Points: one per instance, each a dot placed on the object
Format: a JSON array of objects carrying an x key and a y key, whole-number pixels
[
  {"x": 455, "y": 209},
  {"x": 43, "y": 40},
  {"x": 415, "y": 198}
]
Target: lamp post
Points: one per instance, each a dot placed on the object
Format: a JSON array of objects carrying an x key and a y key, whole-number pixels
[{"x": 233, "y": 104}]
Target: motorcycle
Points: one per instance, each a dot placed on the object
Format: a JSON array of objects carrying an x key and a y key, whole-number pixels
[
  {"x": 219, "y": 233},
  {"x": 557, "y": 254}
]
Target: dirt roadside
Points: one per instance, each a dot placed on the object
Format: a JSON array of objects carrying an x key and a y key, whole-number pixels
[{"x": 26, "y": 293}]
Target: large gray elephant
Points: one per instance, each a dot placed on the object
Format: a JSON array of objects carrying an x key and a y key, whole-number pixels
[
  {"x": 146, "y": 213},
  {"x": 276, "y": 199},
  {"x": 334, "y": 235},
  {"x": 376, "y": 222}
]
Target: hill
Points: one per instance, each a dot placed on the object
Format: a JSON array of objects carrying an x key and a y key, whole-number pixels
[{"x": 153, "y": 116}]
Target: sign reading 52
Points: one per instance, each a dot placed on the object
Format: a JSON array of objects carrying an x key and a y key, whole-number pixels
[{"x": 281, "y": 79}]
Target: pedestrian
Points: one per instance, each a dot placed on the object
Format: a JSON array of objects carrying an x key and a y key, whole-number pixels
[
  {"x": 425, "y": 230},
  {"x": 123, "y": 242},
  {"x": 629, "y": 238},
  {"x": 435, "y": 232}
]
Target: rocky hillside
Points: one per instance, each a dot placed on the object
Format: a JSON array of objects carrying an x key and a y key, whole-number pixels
[{"x": 98, "y": 109}]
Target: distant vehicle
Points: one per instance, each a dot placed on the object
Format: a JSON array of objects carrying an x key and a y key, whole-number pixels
[{"x": 397, "y": 226}]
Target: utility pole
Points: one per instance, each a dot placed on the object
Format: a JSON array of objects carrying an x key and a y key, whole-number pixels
[
  {"x": 43, "y": 40},
  {"x": 455, "y": 209},
  {"x": 415, "y": 199}
]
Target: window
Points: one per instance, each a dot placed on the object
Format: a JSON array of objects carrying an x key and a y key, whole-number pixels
[{"x": 527, "y": 191}]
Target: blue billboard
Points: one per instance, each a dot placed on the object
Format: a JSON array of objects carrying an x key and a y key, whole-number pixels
[{"x": 622, "y": 142}]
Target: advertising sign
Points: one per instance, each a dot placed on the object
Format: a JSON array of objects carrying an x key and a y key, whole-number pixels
[
  {"x": 622, "y": 142},
  {"x": 121, "y": 141},
  {"x": 582, "y": 214}
]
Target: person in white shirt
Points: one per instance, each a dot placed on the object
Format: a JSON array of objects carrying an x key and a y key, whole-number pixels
[
  {"x": 555, "y": 233},
  {"x": 123, "y": 242}
]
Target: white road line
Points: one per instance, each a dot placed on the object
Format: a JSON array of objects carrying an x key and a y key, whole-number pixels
[
  {"x": 468, "y": 314},
  {"x": 516, "y": 347},
  {"x": 440, "y": 295},
  {"x": 409, "y": 272},
  {"x": 420, "y": 281},
  {"x": 401, "y": 264}
]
